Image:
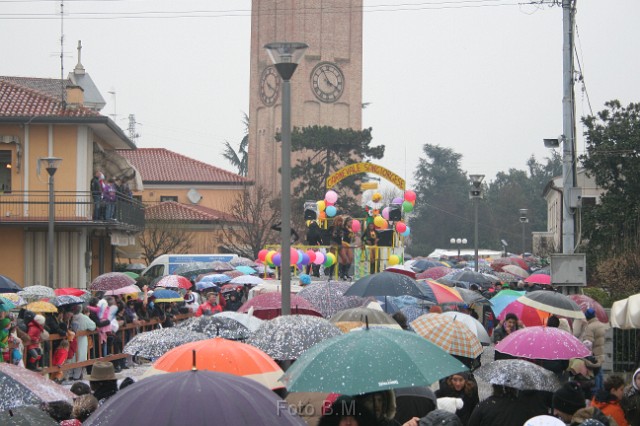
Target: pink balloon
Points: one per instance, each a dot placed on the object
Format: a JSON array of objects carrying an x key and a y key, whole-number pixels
[
  {"x": 385, "y": 213},
  {"x": 331, "y": 197},
  {"x": 294, "y": 256},
  {"x": 312, "y": 255},
  {"x": 355, "y": 226},
  {"x": 409, "y": 196},
  {"x": 319, "y": 258}
]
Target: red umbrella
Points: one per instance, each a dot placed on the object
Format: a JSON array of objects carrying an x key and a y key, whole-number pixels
[
  {"x": 434, "y": 273},
  {"x": 174, "y": 281},
  {"x": 402, "y": 269},
  {"x": 542, "y": 279},
  {"x": 585, "y": 302},
  {"x": 528, "y": 315},
  {"x": 69, "y": 291},
  {"x": 111, "y": 281},
  {"x": 269, "y": 305}
]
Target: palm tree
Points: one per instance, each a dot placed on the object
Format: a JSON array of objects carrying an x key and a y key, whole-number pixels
[{"x": 240, "y": 158}]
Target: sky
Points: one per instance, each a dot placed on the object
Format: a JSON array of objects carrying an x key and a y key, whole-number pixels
[{"x": 481, "y": 77}]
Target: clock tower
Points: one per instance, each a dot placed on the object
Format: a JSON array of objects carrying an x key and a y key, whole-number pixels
[{"x": 326, "y": 88}]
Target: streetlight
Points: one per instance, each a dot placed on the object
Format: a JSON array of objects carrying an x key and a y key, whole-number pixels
[
  {"x": 285, "y": 57},
  {"x": 475, "y": 194},
  {"x": 458, "y": 242},
  {"x": 52, "y": 164},
  {"x": 524, "y": 219}
]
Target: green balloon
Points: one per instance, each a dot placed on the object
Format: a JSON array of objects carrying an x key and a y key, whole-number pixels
[{"x": 407, "y": 207}]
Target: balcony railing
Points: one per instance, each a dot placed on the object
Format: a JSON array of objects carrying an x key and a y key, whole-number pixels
[{"x": 71, "y": 208}]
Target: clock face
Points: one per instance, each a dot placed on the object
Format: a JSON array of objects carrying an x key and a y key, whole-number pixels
[
  {"x": 269, "y": 86},
  {"x": 327, "y": 82}
]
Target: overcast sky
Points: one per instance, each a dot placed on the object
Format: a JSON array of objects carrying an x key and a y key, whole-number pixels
[{"x": 481, "y": 77}]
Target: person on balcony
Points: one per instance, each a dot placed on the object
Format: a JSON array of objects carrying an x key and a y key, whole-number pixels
[
  {"x": 109, "y": 196},
  {"x": 96, "y": 195}
]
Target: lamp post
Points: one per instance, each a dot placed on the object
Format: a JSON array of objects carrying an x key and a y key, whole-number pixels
[
  {"x": 51, "y": 165},
  {"x": 524, "y": 219},
  {"x": 285, "y": 57},
  {"x": 476, "y": 194},
  {"x": 458, "y": 242}
]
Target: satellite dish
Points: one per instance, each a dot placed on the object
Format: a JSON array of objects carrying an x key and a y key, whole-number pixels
[{"x": 194, "y": 196}]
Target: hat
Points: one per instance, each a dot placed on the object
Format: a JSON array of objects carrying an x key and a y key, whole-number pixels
[
  {"x": 633, "y": 379},
  {"x": 39, "y": 319},
  {"x": 544, "y": 420},
  {"x": 569, "y": 398},
  {"x": 102, "y": 371},
  {"x": 450, "y": 404},
  {"x": 440, "y": 417},
  {"x": 590, "y": 313},
  {"x": 304, "y": 279}
]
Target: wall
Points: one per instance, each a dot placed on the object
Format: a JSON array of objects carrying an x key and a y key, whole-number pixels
[{"x": 12, "y": 254}]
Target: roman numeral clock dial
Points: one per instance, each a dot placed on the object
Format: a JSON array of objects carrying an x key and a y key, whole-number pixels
[
  {"x": 269, "y": 86},
  {"x": 327, "y": 82}
]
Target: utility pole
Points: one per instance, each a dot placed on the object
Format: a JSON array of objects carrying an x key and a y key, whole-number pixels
[{"x": 568, "y": 127}]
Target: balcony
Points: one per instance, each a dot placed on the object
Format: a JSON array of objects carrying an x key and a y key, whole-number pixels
[{"x": 72, "y": 209}]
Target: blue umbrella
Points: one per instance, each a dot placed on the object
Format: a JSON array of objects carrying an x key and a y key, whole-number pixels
[
  {"x": 204, "y": 285},
  {"x": 6, "y": 305},
  {"x": 216, "y": 278},
  {"x": 247, "y": 270},
  {"x": 7, "y": 285},
  {"x": 166, "y": 294}
]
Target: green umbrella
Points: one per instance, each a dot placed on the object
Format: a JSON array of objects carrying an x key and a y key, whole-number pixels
[
  {"x": 132, "y": 274},
  {"x": 6, "y": 305},
  {"x": 370, "y": 360}
]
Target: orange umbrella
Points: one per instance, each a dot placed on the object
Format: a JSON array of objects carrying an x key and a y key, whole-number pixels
[{"x": 224, "y": 356}]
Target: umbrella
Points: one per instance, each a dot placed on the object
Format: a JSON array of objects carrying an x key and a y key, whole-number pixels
[
  {"x": 585, "y": 302},
  {"x": 19, "y": 386},
  {"x": 249, "y": 321},
  {"x": 6, "y": 305},
  {"x": 515, "y": 270},
  {"x": 542, "y": 279},
  {"x": 135, "y": 267},
  {"x": 362, "y": 315},
  {"x": 219, "y": 266},
  {"x": 247, "y": 270},
  {"x": 261, "y": 269},
  {"x": 471, "y": 297},
  {"x": 328, "y": 297},
  {"x": 552, "y": 302},
  {"x": 402, "y": 269},
  {"x": 421, "y": 265},
  {"x": 193, "y": 269},
  {"x": 473, "y": 324},
  {"x": 518, "y": 374},
  {"x": 194, "y": 398},
  {"x": 247, "y": 280},
  {"x": 41, "y": 307},
  {"x": 287, "y": 337},
  {"x": 439, "y": 293},
  {"x": 541, "y": 342},
  {"x": 213, "y": 326},
  {"x": 130, "y": 289},
  {"x": 216, "y": 278},
  {"x": 386, "y": 284},
  {"x": 434, "y": 273},
  {"x": 66, "y": 301},
  {"x": 411, "y": 312},
  {"x": 204, "y": 285},
  {"x": 37, "y": 292},
  {"x": 471, "y": 277},
  {"x": 233, "y": 274},
  {"x": 174, "y": 281},
  {"x": 132, "y": 274},
  {"x": 167, "y": 296},
  {"x": 155, "y": 343},
  {"x": 269, "y": 305},
  {"x": 15, "y": 298},
  {"x": 502, "y": 299},
  {"x": 223, "y": 356},
  {"x": 358, "y": 362},
  {"x": 70, "y": 291},
  {"x": 452, "y": 336},
  {"x": 111, "y": 281},
  {"x": 7, "y": 285},
  {"x": 243, "y": 261},
  {"x": 528, "y": 315},
  {"x": 26, "y": 415},
  {"x": 414, "y": 400},
  {"x": 505, "y": 277},
  {"x": 499, "y": 263}
]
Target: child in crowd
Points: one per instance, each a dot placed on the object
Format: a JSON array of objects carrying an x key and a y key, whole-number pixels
[
  {"x": 608, "y": 399},
  {"x": 59, "y": 358}
]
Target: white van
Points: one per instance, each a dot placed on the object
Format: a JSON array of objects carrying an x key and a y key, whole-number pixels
[{"x": 168, "y": 263}]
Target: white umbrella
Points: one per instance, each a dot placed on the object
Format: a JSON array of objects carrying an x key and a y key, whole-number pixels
[
  {"x": 249, "y": 321},
  {"x": 247, "y": 279},
  {"x": 37, "y": 292}
]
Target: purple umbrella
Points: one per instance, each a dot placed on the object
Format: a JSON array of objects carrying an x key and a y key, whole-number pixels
[
  {"x": 542, "y": 342},
  {"x": 111, "y": 281},
  {"x": 195, "y": 398}
]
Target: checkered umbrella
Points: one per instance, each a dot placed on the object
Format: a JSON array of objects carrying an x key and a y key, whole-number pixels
[{"x": 452, "y": 336}]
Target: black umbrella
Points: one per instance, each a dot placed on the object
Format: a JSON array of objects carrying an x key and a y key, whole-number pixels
[
  {"x": 386, "y": 284},
  {"x": 518, "y": 374},
  {"x": 195, "y": 398},
  {"x": 27, "y": 415},
  {"x": 7, "y": 285},
  {"x": 414, "y": 402},
  {"x": 421, "y": 265},
  {"x": 471, "y": 277},
  {"x": 553, "y": 303}
]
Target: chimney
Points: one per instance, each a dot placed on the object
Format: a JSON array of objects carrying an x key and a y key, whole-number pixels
[{"x": 75, "y": 96}]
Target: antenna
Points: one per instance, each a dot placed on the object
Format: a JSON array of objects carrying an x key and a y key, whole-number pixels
[
  {"x": 112, "y": 92},
  {"x": 133, "y": 135},
  {"x": 62, "y": 90}
]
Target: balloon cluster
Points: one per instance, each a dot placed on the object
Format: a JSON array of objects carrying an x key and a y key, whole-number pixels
[
  {"x": 298, "y": 258},
  {"x": 326, "y": 207},
  {"x": 381, "y": 221}
]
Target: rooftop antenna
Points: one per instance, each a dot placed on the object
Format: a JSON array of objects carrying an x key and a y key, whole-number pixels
[
  {"x": 112, "y": 92},
  {"x": 133, "y": 135},
  {"x": 62, "y": 90}
]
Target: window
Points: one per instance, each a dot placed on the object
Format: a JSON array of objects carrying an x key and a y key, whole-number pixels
[
  {"x": 164, "y": 198},
  {"x": 155, "y": 272},
  {"x": 5, "y": 171}
]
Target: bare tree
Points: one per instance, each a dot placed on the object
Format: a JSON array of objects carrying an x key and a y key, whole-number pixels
[
  {"x": 162, "y": 237},
  {"x": 255, "y": 211}
]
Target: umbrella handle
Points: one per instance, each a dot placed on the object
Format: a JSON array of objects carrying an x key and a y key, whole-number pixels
[{"x": 193, "y": 367}]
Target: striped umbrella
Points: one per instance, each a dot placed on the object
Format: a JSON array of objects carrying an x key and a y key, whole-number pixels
[
  {"x": 553, "y": 303},
  {"x": 452, "y": 336},
  {"x": 440, "y": 293}
]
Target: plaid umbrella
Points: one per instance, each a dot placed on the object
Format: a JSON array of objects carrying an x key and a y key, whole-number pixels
[
  {"x": 37, "y": 292},
  {"x": 328, "y": 297},
  {"x": 174, "y": 281},
  {"x": 111, "y": 281},
  {"x": 452, "y": 336}
]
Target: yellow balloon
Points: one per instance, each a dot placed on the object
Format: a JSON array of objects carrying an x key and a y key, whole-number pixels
[
  {"x": 379, "y": 221},
  {"x": 332, "y": 257},
  {"x": 394, "y": 259},
  {"x": 321, "y": 205},
  {"x": 269, "y": 257}
]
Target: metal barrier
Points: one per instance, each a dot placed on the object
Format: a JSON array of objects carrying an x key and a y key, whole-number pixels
[{"x": 625, "y": 350}]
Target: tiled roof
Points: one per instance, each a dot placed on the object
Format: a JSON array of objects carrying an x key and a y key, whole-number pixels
[
  {"x": 22, "y": 101},
  {"x": 162, "y": 165},
  {"x": 173, "y": 211},
  {"x": 48, "y": 86}
]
